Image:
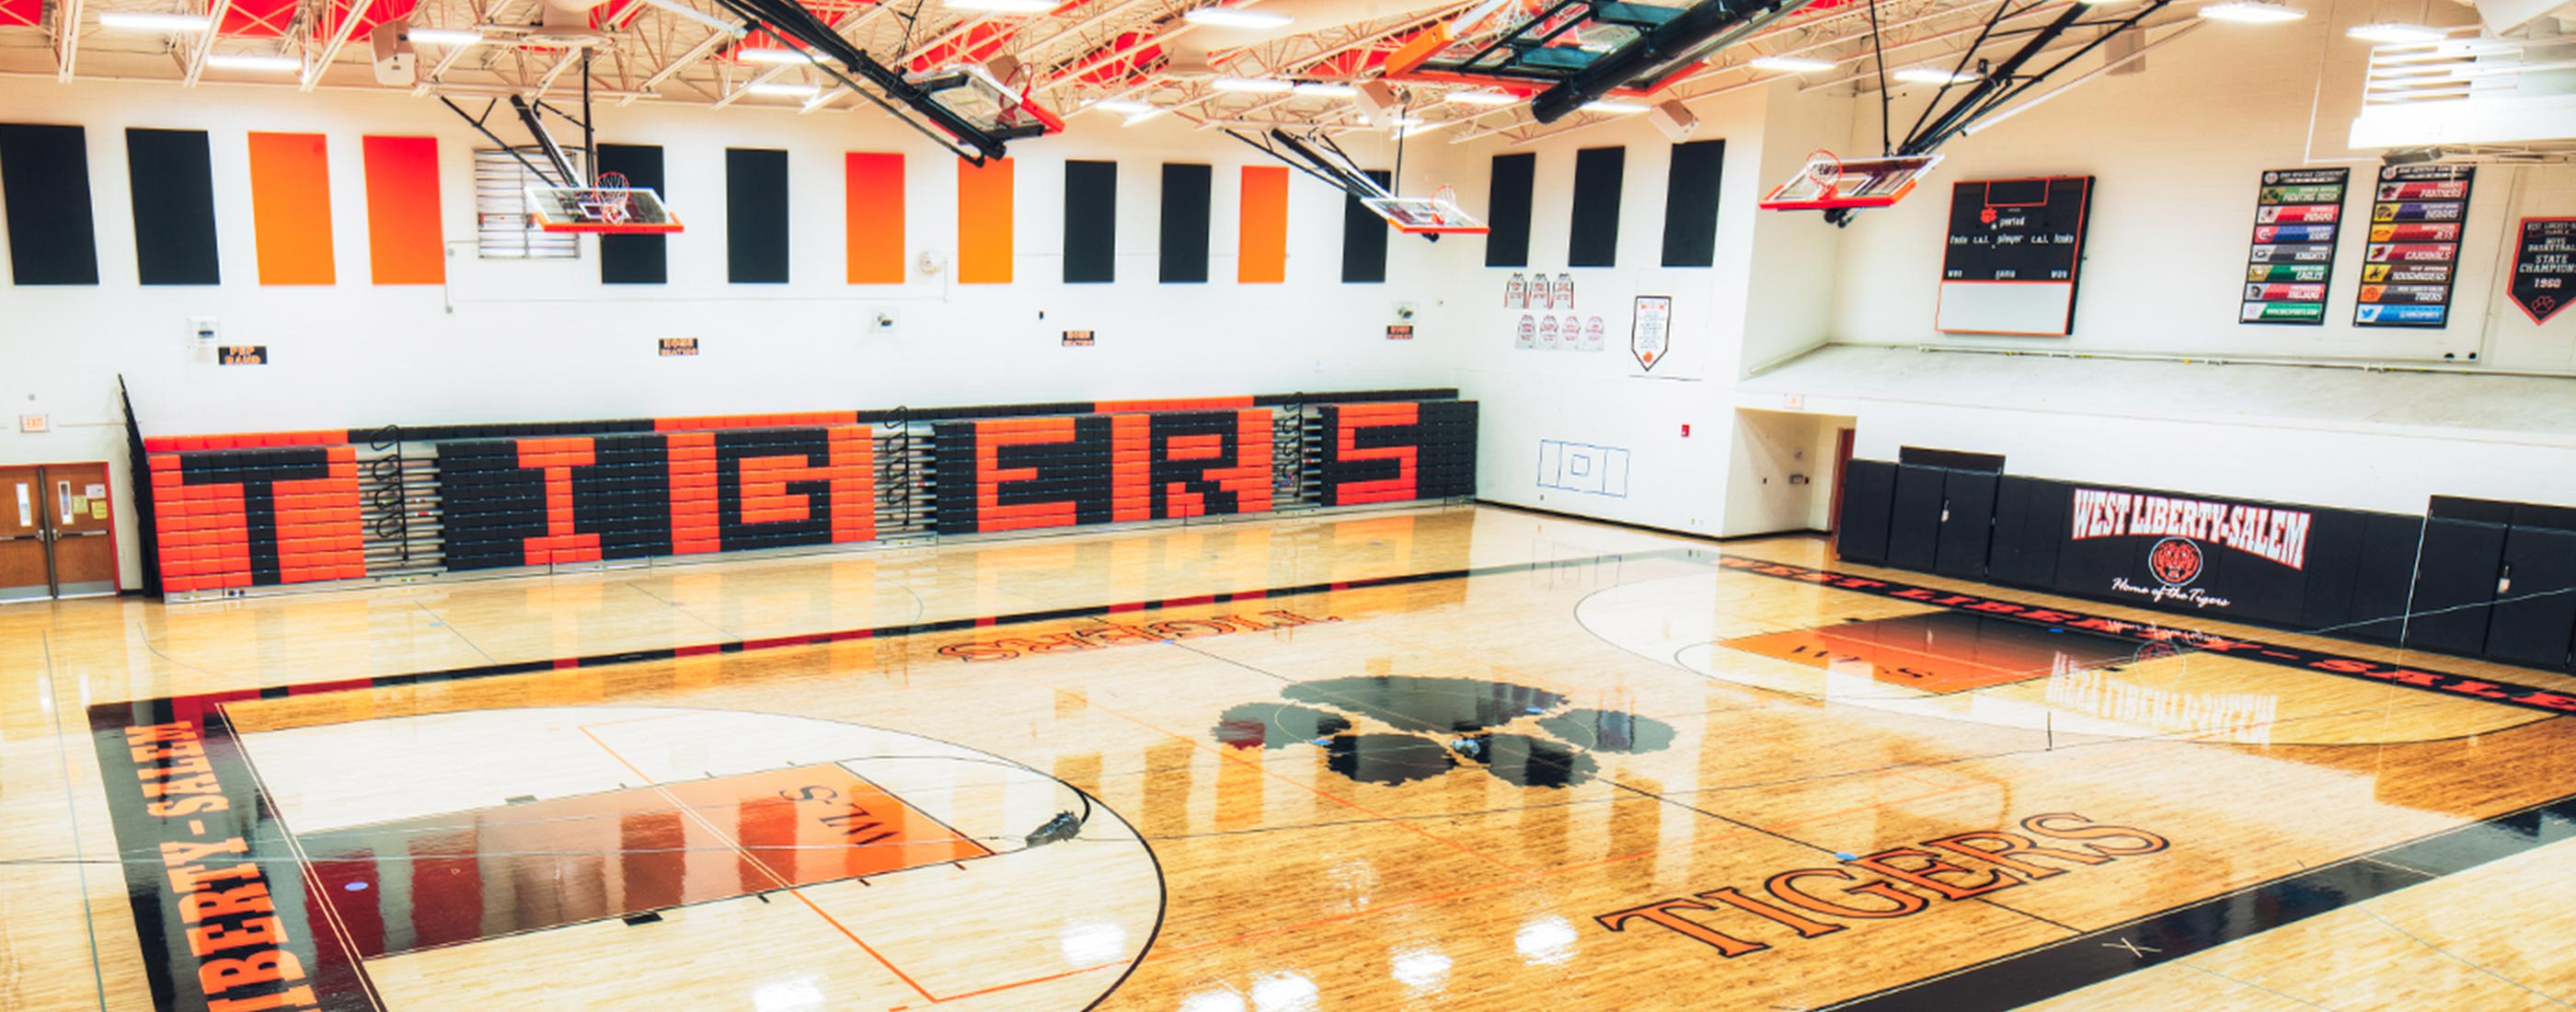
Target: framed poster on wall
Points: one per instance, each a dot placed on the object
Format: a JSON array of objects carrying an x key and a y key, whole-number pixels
[
  {"x": 2014, "y": 249},
  {"x": 2298, "y": 214},
  {"x": 2413, "y": 259}
]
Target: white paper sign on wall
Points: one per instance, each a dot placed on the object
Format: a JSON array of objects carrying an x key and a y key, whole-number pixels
[{"x": 1650, "y": 336}]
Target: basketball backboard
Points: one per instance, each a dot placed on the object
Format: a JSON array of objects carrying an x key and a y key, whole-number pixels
[
  {"x": 610, "y": 210},
  {"x": 1826, "y": 182},
  {"x": 1424, "y": 216}
]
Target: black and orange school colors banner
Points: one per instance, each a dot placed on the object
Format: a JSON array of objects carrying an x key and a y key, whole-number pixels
[
  {"x": 2298, "y": 214},
  {"x": 2184, "y": 553},
  {"x": 2413, "y": 259},
  {"x": 1008, "y": 474}
]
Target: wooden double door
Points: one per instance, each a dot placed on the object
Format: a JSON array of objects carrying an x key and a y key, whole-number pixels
[{"x": 57, "y": 532}]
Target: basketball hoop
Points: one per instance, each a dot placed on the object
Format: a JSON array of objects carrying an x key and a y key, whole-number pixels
[
  {"x": 607, "y": 201},
  {"x": 1829, "y": 183}
]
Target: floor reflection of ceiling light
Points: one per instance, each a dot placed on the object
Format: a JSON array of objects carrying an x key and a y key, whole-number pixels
[
  {"x": 1092, "y": 943},
  {"x": 1284, "y": 992},
  {"x": 799, "y": 995},
  {"x": 1547, "y": 940},
  {"x": 1422, "y": 969},
  {"x": 1213, "y": 1001}
]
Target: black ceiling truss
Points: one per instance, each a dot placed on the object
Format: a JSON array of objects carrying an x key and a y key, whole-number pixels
[
  {"x": 793, "y": 22},
  {"x": 1999, "y": 83}
]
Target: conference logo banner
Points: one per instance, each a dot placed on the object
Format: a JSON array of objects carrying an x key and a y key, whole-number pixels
[
  {"x": 2297, "y": 213},
  {"x": 2415, "y": 218},
  {"x": 2186, "y": 553}
]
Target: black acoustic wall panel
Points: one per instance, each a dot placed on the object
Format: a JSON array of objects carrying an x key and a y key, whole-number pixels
[
  {"x": 2536, "y": 615},
  {"x": 1690, "y": 204},
  {"x": 1185, "y": 224},
  {"x": 756, "y": 216},
  {"x": 1860, "y": 533},
  {"x": 1364, "y": 236},
  {"x": 1914, "y": 522},
  {"x": 2383, "y": 576},
  {"x": 44, "y": 183},
  {"x": 634, "y": 259},
  {"x": 2455, "y": 579},
  {"x": 171, "y": 173},
  {"x": 1593, "y": 237},
  {"x": 1956, "y": 460},
  {"x": 1090, "y": 222},
  {"x": 1967, "y": 524},
  {"x": 1507, "y": 210}
]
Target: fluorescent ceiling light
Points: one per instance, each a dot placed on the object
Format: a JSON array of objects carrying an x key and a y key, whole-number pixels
[
  {"x": 1316, "y": 90},
  {"x": 253, "y": 61},
  {"x": 785, "y": 90},
  {"x": 2395, "y": 32},
  {"x": 1255, "y": 84},
  {"x": 443, "y": 37},
  {"x": 1230, "y": 17},
  {"x": 1612, "y": 107},
  {"x": 765, "y": 54},
  {"x": 1424, "y": 128},
  {"x": 1122, "y": 106},
  {"x": 1482, "y": 97},
  {"x": 2252, "y": 11},
  {"x": 153, "y": 21},
  {"x": 1143, "y": 116},
  {"x": 1002, "y": 6},
  {"x": 1789, "y": 64},
  {"x": 1930, "y": 75},
  {"x": 684, "y": 10}
]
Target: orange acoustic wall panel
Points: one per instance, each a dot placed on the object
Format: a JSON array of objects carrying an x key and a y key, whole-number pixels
[
  {"x": 875, "y": 227},
  {"x": 1262, "y": 244},
  {"x": 403, "y": 244},
  {"x": 984, "y": 223},
  {"x": 290, "y": 208}
]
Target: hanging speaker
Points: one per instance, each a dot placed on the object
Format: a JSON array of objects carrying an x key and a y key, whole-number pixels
[
  {"x": 394, "y": 61},
  {"x": 1377, "y": 102},
  {"x": 1674, "y": 119}
]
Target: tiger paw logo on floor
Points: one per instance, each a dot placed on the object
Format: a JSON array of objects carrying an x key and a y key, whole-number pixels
[{"x": 1396, "y": 729}]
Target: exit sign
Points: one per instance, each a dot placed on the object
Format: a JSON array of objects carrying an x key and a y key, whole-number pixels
[{"x": 35, "y": 423}]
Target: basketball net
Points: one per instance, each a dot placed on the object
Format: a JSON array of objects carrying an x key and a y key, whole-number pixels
[{"x": 607, "y": 200}]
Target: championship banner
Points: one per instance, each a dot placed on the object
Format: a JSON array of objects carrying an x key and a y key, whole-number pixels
[
  {"x": 2297, "y": 213},
  {"x": 2183, "y": 553},
  {"x": 2414, "y": 254},
  {"x": 2544, "y": 262}
]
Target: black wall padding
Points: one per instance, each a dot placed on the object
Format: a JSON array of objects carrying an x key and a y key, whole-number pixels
[
  {"x": 1090, "y": 222},
  {"x": 1957, "y": 460},
  {"x": 44, "y": 181},
  {"x": 1185, "y": 224},
  {"x": 2536, "y": 615},
  {"x": 635, "y": 259},
  {"x": 2452, "y": 507},
  {"x": 1967, "y": 524},
  {"x": 2556, "y": 518},
  {"x": 1914, "y": 521},
  {"x": 1860, "y": 533},
  {"x": 1364, "y": 238},
  {"x": 2030, "y": 519},
  {"x": 2334, "y": 558},
  {"x": 1593, "y": 239},
  {"x": 2383, "y": 576},
  {"x": 2455, "y": 578},
  {"x": 172, "y": 176},
  {"x": 756, "y": 216},
  {"x": 1507, "y": 210},
  {"x": 1690, "y": 204}
]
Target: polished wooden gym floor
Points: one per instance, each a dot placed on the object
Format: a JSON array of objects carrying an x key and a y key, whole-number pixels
[{"x": 1457, "y": 757}]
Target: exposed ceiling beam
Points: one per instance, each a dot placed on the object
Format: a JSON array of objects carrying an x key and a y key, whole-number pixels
[
  {"x": 67, "y": 38},
  {"x": 195, "y": 67},
  {"x": 348, "y": 23}
]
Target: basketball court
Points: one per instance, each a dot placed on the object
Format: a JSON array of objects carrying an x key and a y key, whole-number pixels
[{"x": 1286, "y": 505}]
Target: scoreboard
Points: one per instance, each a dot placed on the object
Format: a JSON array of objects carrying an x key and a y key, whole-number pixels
[{"x": 2014, "y": 251}]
